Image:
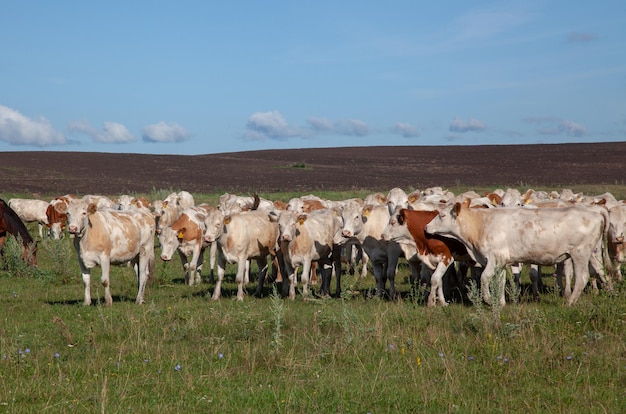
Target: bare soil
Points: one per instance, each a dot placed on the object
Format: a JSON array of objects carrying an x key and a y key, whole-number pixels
[{"x": 310, "y": 170}]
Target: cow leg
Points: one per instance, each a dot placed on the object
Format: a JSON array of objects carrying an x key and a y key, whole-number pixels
[
  {"x": 390, "y": 274},
  {"x": 581, "y": 274},
  {"x": 436, "y": 284},
  {"x": 535, "y": 278},
  {"x": 243, "y": 268},
  {"x": 516, "y": 269},
  {"x": 379, "y": 268},
  {"x": 144, "y": 270},
  {"x": 326, "y": 271},
  {"x": 365, "y": 259},
  {"x": 105, "y": 265},
  {"x": 336, "y": 258},
  {"x": 564, "y": 271},
  {"x": 304, "y": 278},
  {"x": 221, "y": 267},
  {"x": 212, "y": 255},
  {"x": 313, "y": 273},
  {"x": 87, "y": 287},
  {"x": 485, "y": 280},
  {"x": 262, "y": 265}
]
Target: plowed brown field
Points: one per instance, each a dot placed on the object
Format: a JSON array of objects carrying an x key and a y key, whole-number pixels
[{"x": 310, "y": 170}]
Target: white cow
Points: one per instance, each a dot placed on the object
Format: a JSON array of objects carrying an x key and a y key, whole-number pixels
[
  {"x": 306, "y": 238},
  {"x": 502, "y": 236},
  {"x": 104, "y": 237},
  {"x": 31, "y": 210},
  {"x": 241, "y": 237}
]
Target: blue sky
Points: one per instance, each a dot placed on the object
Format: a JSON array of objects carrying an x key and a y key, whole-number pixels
[{"x": 200, "y": 77}]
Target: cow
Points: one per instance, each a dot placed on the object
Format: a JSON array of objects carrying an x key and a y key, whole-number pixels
[
  {"x": 231, "y": 203},
  {"x": 397, "y": 197},
  {"x": 56, "y": 213},
  {"x": 306, "y": 238},
  {"x": 104, "y": 237},
  {"x": 435, "y": 252},
  {"x": 365, "y": 224},
  {"x": 503, "y": 236},
  {"x": 241, "y": 237},
  {"x": 31, "y": 210},
  {"x": 11, "y": 223},
  {"x": 186, "y": 236}
]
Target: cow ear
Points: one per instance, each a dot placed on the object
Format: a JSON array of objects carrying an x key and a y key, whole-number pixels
[
  {"x": 301, "y": 219},
  {"x": 456, "y": 210},
  {"x": 181, "y": 233},
  {"x": 226, "y": 219},
  {"x": 92, "y": 208}
]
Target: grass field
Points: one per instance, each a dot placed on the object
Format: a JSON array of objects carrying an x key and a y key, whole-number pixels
[{"x": 357, "y": 354}]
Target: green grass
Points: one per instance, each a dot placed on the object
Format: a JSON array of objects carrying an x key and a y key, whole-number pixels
[{"x": 183, "y": 352}]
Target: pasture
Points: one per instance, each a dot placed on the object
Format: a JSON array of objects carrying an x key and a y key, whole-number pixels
[{"x": 355, "y": 354}]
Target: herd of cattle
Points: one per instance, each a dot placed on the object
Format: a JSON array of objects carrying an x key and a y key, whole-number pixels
[{"x": 434, "y": 230}]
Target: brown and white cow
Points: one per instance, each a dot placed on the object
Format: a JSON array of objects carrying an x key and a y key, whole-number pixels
[
  {"x": 105, "y": 236},
  {"x": 241, "y": 237},
  {"x": 306, "y": 238},
  {"x": 435, "y": 252},
  {"x": 186, "y": 236},
  {"x": 502, "y": 236},
  {"x": 31, "y": 210},
  {"x": 57, "y": 214}
]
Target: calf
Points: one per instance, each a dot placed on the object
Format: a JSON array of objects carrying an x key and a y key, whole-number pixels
[{"x": 104, "y": 237}]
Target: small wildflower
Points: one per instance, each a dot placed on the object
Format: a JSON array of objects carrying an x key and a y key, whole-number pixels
[
  {"x": 419, "y": 361},
  {"x": 440, "y": 354},
  {"x": 146, "y": 360},
  {"x": 569, "y": 357},
  {"x": 20, "y": 352},
  {"x": 27, "y": 350},
  {"x": 220, "y": 355},
  {"x": 402, "y": 350},
  {"x": 392, "y": 346},
  {"x": 499, "y": 357},
  {"x": 470, "y": 358},
  {"x": 506, "y": 359},
  {"x": 177, "y": 367},
  {"x": 57, "y": 355},
  {"x": 4, "y": 356},
  {"x": 14, "y": 294}
]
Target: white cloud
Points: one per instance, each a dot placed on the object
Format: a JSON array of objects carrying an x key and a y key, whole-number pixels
[
  {"x": 111, "y": 133},
  {"x": 472, "y": 125},
  {"x": 262, "y": 125},
  {"x": 17, "y": 129},
  {"x": 164, "y": 132},
  {"x": 562, "y": 127},
  {"x": 406, "y": 130},
  {"x": 350, "y": 127},
  {"x": 572, "y": 129}
]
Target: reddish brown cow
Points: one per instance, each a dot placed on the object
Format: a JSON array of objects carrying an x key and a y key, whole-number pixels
[{"x": 435, "y": 252}]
